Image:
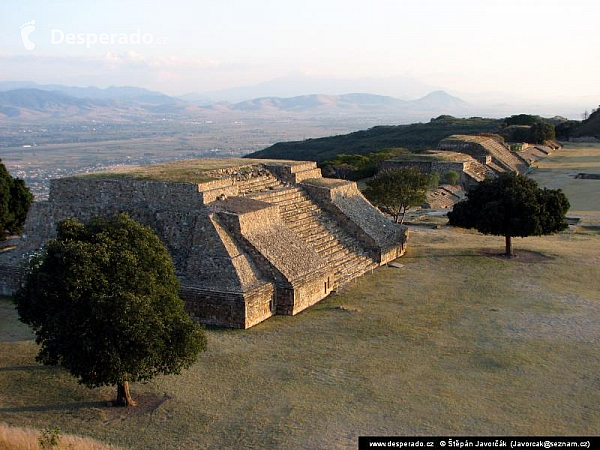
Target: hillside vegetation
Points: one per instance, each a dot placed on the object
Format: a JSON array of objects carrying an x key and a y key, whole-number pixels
[
  {"x": 413, "y": 137},
  {"x": 589, "y": 127}
]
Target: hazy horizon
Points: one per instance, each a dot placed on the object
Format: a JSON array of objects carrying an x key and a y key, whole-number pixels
[{"x": 533, "y": 50}]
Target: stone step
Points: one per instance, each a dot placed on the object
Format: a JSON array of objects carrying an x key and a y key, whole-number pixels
[
  {"x": 308, "y": 233},
  {"x": 290, "y": 200},
  {"x": 323, "y": 243},
  {"x": 299, "y": 215},
  {"x": 341, "y": 251},
  {"x": 306, "y": 174},
  {"x": 303, "y": 204},
  {"x": 336, "y": 255},
  {"x": 319, "y": 235},
  {"x": 279, "y": 200},
  {"x": 277, "y": 195},
  {"x": 334, "y": 252},
  {"x": 254, "y": 183},
  {"x": 259, "y": 181},
  {"x": 352, "y": 267},
  {"x": 360, "y": 270},
  {"x": 303, "y": 225},
  {"x": 288, "y": 211}
]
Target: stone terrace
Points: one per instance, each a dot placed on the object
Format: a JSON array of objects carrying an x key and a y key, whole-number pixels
[
  {"x": 437, "y": 161},
  {"x": 487, "y": 151},
  {"x": 249, "y": 238}
]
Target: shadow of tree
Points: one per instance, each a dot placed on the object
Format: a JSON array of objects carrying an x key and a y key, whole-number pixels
[
  {"x": 442, "y": 254},
  {"x": 24, "y": 368},
  {"x": 56, "y": 407}
]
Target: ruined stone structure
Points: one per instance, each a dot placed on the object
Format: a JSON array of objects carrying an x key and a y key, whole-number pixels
[
  {"x": 486, "y": 150},
  {"x": 441, "y": 162},
  {"x": 474, "y": 158},
  {"x": 249, "y": 240},
  {"x": 445, "y": 196}
]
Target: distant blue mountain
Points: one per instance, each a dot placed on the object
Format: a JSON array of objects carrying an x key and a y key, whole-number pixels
[
  {"x": 58, "y": 101},
  {"x": 118, "y": 93},
  {"x": 300, "y": 85}
]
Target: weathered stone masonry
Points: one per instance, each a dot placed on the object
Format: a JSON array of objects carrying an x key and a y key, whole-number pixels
[{"x": 274, "y": 242}]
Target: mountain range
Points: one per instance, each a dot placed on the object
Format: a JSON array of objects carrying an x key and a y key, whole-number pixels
[
  {"x": 299, "y": 85},
  {"x": 120, "y": 93},
  {"x": 31, "y": 101}
]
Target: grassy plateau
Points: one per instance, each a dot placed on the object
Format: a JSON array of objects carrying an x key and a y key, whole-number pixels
[{"x": 457, "y": 341}]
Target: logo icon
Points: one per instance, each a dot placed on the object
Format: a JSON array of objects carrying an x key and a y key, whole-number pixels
[{"x": 26, "y": 30}]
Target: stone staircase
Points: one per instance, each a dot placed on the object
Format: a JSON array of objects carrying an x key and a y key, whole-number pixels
[
  {"x": 314, "y": 226},
  {"x": 496, "y": 168},
  {"x": 258, "y": 184},
  {"x": 443, "y": 197},
  {"x": 508, "y": 159},
  {"x": 477, "y": 171}
]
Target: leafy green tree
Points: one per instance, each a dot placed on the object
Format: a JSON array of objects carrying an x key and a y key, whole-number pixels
[
  {"x": 521, "y": 119},
  {"x": 511, "y": 206},
  {"x": 355, "y": 166},
  {"x": 451, "y": 177},
  {"x": 564, "y": 130},
  {"x": 540, "y": 132},
  {"x": 103, "y": 302},
  {"x": 5, "y": 216},
  {"x": 15, "y": 200},
  {"x": 20, "y": 201},
  {"x": 394, "y": 191}
]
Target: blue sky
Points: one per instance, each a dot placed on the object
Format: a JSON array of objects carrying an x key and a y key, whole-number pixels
[{"x": 542, "y": 49}]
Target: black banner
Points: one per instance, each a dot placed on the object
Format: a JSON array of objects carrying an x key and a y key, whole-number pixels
[{"x": 492, "y": 442}]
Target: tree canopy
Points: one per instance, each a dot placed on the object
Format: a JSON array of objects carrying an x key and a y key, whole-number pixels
[
  {"x": 452, "y": 177},
  {"x": 15, "y": 200},
  {"x": 355, "y": 166},
  {"x": 540, "y": 132},
  {"x": 521, "y": 119},
  {"x": 395, "y": 190},
  {"x": 511, "y": 206},
  {"x": 103, "y": 302}
]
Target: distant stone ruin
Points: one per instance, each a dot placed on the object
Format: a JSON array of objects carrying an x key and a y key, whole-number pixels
[
  {"x": 473, "y": 157},
  {"x": 249, "y": 238},
  {"x": 487, "y": 151},
  {"x": 470, "y": 171}
]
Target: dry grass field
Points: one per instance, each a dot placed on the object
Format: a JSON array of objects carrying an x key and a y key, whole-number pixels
[
  {"x": 560, "y": 169},
  {"x": 458, "y": 341},
  {"x": 17, "y": 438}
]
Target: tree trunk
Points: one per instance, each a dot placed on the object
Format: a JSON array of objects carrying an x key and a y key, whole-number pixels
[
  {"x": 123, "y": 395},
  {"x": 509, "y": 248},
  {"x": 403, "y": 215}
]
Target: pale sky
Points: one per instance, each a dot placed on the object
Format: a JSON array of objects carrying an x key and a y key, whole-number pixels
[{"x": 539, "y": 49}]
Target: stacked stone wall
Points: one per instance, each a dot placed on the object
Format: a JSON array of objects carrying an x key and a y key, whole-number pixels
[
  {"x": 281, "y": 254},
  {"x": 238, "y": 262},
  {"x": 383, "y": 239},
  {"x": 104, "y": 192}
]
